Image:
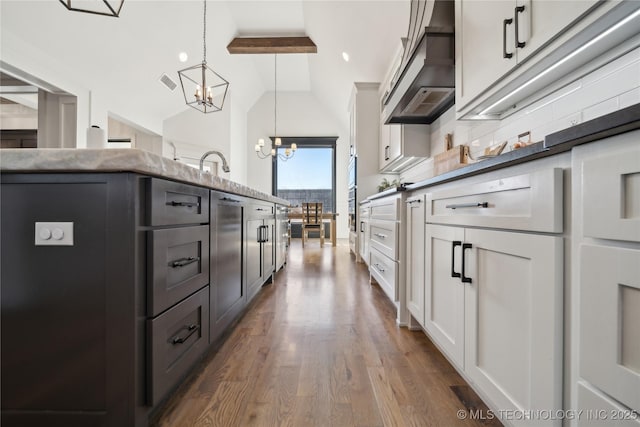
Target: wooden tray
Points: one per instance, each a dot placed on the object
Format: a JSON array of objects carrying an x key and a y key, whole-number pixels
[{"x": 451, "y": 159}]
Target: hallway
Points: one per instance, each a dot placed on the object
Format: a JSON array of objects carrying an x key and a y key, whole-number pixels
[{"x": 320, "y": 347}]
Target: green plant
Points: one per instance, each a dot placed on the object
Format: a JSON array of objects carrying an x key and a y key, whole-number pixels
[{"x": 386, "y": 184}]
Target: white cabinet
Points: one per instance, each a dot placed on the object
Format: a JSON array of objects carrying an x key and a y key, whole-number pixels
[
  {"x": 387, "y": 250},
  {"x": 364, "y": 115},
  {"x": 498, "y": 39},
  {"x": 610, "y": 321},
  {"x": 513, "y": 318},
  {"x": 415, "y": 257},
  {"x": 598, "y": 410},
  {"x": 612, "y": 184},
  {"x": 402, "y": 146},
  {"x": 364, "y": 234},
  {"x": 494, "y": 297},
  {"x": 384, "y": 244},
  {"x": 444, "y": 291},
  {"x": 606, "y": 268}
]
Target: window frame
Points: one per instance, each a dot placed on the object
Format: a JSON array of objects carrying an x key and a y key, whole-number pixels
[{"x": 306, "y": 142}]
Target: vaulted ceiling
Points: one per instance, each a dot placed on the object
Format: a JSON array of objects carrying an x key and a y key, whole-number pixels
[{"x": 127, "y": 55}]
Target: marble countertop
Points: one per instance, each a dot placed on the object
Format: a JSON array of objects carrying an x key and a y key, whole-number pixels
[{"x": 30, "y": 160}]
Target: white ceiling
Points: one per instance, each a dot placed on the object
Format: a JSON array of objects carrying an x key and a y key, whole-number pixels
[{"x": 127, "y": 55}]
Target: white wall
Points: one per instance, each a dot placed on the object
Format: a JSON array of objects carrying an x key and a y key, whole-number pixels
[
  {"x": 299, "y": 114},
  {"x": 605, "y": 90}
]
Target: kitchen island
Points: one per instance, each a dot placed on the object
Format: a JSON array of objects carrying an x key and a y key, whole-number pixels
[{"x": 120, "y": 272}]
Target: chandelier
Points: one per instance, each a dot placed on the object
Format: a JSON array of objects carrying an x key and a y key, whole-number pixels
[
  {"x": 289, "y": 152},
  {"x": 109, "y": 8},
  {"x": 203, "y": 89}
]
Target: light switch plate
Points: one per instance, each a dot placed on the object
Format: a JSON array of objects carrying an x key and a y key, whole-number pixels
[{"x": 54, "y": 234}]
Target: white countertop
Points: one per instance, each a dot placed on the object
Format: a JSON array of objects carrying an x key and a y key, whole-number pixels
[{"x": 32, "y": 160}]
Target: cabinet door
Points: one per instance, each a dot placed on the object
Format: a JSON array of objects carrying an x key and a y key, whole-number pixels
[
  {"x": 479, "y": 46},
  {"x": 227, "y": 295},
  {"x": 395, "y": 142},
  {"x": 610, "y": 321},
  {"x": 415, "y": 256},
  {"x": 253, "y": 255},
  {"x": 541, "y": 20},
  {"x": 513, "y": 319},
  {"x": 384, "y": 145},
  {"x": 444, "y": 295},
  {"x": 611, "y": 196},
  {"x": 268, "y": 249}
]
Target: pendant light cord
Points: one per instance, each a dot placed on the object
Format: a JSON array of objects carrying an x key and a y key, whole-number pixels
[
  {"x": 275, "y": 96},
  {"x": 204, "y": 34}
]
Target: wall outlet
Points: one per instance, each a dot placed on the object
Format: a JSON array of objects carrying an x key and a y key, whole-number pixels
[{"x": 54, "y": 234}]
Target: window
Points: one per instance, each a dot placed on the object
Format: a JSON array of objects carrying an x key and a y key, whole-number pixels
[{"x": 310, "y": 175}]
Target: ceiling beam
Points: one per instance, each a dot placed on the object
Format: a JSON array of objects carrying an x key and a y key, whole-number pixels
[{"x": 272, "y": 45}]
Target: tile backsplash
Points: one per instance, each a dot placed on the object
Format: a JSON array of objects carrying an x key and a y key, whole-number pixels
[{"x": 607, "y": 89}]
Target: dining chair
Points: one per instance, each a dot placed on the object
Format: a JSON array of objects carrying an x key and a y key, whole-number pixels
[{"x": 312, "y": 221}]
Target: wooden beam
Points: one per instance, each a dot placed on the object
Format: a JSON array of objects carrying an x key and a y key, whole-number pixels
[{"x": 272, "y": 45}]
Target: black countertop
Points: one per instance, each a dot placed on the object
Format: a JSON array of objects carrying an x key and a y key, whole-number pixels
[{"x": 615, "y": 123}]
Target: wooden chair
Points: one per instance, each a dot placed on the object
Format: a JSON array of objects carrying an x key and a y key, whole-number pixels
[{"x": 312, "y": 221}]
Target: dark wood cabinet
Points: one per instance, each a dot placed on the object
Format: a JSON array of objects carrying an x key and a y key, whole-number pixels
[
  {"x": 228, "y": 296},
  {"x": 100, "y": 332}
]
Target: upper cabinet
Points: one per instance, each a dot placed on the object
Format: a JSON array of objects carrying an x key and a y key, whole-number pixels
[
  {"x": 510, "y": 53},
  {"x": 402, "y": 146}
]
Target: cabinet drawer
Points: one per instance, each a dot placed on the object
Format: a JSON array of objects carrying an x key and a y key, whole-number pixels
[
  {"x": 385, "y": 271},
  {"x": 611, "y": 196},
  {"x": 177, "y": 339},
  {"x": 384, "y": 237},
  {"x": 177, "y": 265},
  {"x": 386, "y": 209},
  {"x": 610, "y": 321},
  {"x": 525, "y": 202},
  {"x": 171, "y": 203}
]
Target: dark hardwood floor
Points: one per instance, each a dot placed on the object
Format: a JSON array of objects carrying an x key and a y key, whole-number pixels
[{"x": 320, "y": 347}]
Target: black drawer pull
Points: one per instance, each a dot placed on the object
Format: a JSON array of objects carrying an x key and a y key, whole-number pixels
[
  {"x": 188, "y": 204},
  {"x": 465, "y": 246},
  {"x": 468, "y": 205},
  {"x": 183, "y": 261},
  {"x": 228, "y": 199},
  {"x": 517, "y": 12},
  {"x": 453, "y": 253},
  {"x": 380, "y": 235},
  {"x": 505, "y": 54},
  {"x": 380, "y": 269},
  {"x": 192, "y": 329}
]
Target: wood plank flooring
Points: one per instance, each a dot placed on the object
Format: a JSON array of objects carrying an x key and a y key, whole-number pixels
[{"x": 320, "y": 347}]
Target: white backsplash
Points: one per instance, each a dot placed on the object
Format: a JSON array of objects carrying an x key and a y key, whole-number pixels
[{"x": 605, "y": 90}]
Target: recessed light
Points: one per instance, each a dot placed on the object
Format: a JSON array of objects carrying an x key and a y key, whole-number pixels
[
  {"x": 182, "y": 56},
  {"x": 345, "y": 56}
]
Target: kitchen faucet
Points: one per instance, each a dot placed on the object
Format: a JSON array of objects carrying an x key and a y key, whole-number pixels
[
  {"x": 225, "y": 165},
  {"x": 175, "y": 157}
]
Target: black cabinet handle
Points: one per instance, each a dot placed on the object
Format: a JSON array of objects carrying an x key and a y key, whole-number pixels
[
  {"x": 379, "y": 268},
  {"x": 259, "y": 230},
  {"x": 505, "y": 54},
  {"x": 188, "y": 204},
  {"x": 518, "y": 11},
  {"x": 468, "y": 205},
  {"x": 453, "y": 253},
  {"x": 465, "y": 246},
  {"x": 362, "y": 226},
  {"x": 386, "y": 152},
  {"x": 228, "y": 199},
  {"x": 183, "y": 261},
  {"x": 191, "y": 329}
]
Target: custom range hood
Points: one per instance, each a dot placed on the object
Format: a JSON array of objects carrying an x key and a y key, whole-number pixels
[{"x": 424, "y": 85}]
